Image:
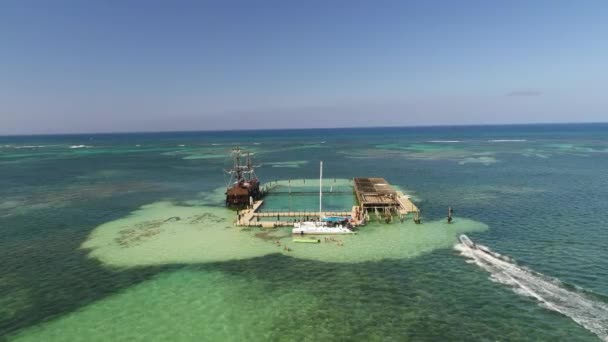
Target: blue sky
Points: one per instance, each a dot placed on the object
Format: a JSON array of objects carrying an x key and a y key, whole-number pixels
[{"x": 108, "y": 66}]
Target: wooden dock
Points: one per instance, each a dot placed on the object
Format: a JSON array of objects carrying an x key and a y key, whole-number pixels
[
  {"x": 250, "y": 217},
  {"x": 375, "y": 196},
  {"x": 311, "y": 214},
  {"x": 378, "y": 198}
]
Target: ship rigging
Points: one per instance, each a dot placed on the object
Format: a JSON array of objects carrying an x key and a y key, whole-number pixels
[{"x": 244, "y": 186}]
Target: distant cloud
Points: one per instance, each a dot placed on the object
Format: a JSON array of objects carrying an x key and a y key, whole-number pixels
[{"x": 525, "y": 93}]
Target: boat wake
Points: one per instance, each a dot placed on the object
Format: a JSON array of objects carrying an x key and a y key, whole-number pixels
[{"x": 550, "y": 292}]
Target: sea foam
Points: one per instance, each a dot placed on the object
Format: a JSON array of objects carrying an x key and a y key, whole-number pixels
[{"x": 550, "y": 292}]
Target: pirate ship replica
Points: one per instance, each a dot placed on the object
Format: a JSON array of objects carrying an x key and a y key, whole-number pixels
[{"x": 244, "y": 186}]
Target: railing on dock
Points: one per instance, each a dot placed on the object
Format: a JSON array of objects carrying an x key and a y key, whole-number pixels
[
  {"x": 376, "y": 198},
  {"x": 299, "y": 213}
]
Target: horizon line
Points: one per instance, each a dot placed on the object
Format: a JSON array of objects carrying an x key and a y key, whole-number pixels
[{"x": 305, "y": 128}]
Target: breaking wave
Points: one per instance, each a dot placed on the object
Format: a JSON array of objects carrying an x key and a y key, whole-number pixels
[
  {"x": 79, "y": 146},
  {"x": 550, "y": 292},
  {"x": 29, "y": 146}
]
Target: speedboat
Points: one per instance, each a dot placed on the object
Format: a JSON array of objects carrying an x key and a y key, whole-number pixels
[
  {"x": 469, "y": 243},
  {"x": 466, "y": 241}
]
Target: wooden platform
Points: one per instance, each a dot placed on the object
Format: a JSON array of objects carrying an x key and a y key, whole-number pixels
[
  {"x": 311, "y": 214},
  {"x": 250, "y": 217},
  {"x": 376, "y": 196}
]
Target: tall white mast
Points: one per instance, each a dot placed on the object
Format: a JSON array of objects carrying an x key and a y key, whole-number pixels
[{"x": 321, "y": 190}]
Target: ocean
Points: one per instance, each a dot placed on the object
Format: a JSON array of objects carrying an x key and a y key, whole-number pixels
[{"x": 126, "y": 237}]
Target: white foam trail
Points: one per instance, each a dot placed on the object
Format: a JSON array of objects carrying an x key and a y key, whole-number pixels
[
  {"x": 79, "y": 146},
  {"x": 550, "y": 292},
  {"x": 30, "y": 146},
  {"x": 444, "y": 141},
  {"x": 508, "y": 140}
]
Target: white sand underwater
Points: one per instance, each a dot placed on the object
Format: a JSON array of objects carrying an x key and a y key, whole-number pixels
[{"x": 166, "y": 233}]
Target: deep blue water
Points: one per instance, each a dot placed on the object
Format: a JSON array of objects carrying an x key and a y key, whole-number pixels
[{"x": 541, "y": 189}]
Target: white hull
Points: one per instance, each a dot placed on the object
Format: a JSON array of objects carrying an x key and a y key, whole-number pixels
[
  {"x": 466, "y": 241},
  {"x": 318, "y": 228}
]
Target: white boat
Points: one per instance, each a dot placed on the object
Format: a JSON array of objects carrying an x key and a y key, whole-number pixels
[
  {"x": 466, "y": 241},
  {"x": 309, "y": 227},
  {"x": 322, "y": 226}
]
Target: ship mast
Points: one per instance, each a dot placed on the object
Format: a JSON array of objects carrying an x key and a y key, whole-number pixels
[
  {"x": 237, "y": 163},
  {"x": 241, "y": 172},
  {"x": 321, "y": 190}
]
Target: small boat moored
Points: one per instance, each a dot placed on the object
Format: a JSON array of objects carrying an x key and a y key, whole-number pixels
[
  {"x": 324, "y": 225},
  {"x": 307, "y": 240},
  {"x": 319, "y": 227}
]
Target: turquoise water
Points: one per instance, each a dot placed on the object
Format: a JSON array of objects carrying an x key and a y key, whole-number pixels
[{"x": 124, "y": 237}]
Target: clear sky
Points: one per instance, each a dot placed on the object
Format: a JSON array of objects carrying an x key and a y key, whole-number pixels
[{"x": 107, "y": 66}]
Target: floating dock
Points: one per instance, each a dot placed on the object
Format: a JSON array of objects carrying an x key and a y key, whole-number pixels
[
  {"x": 376, "y": 198},
  {"x": 250, "y": 217}
]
